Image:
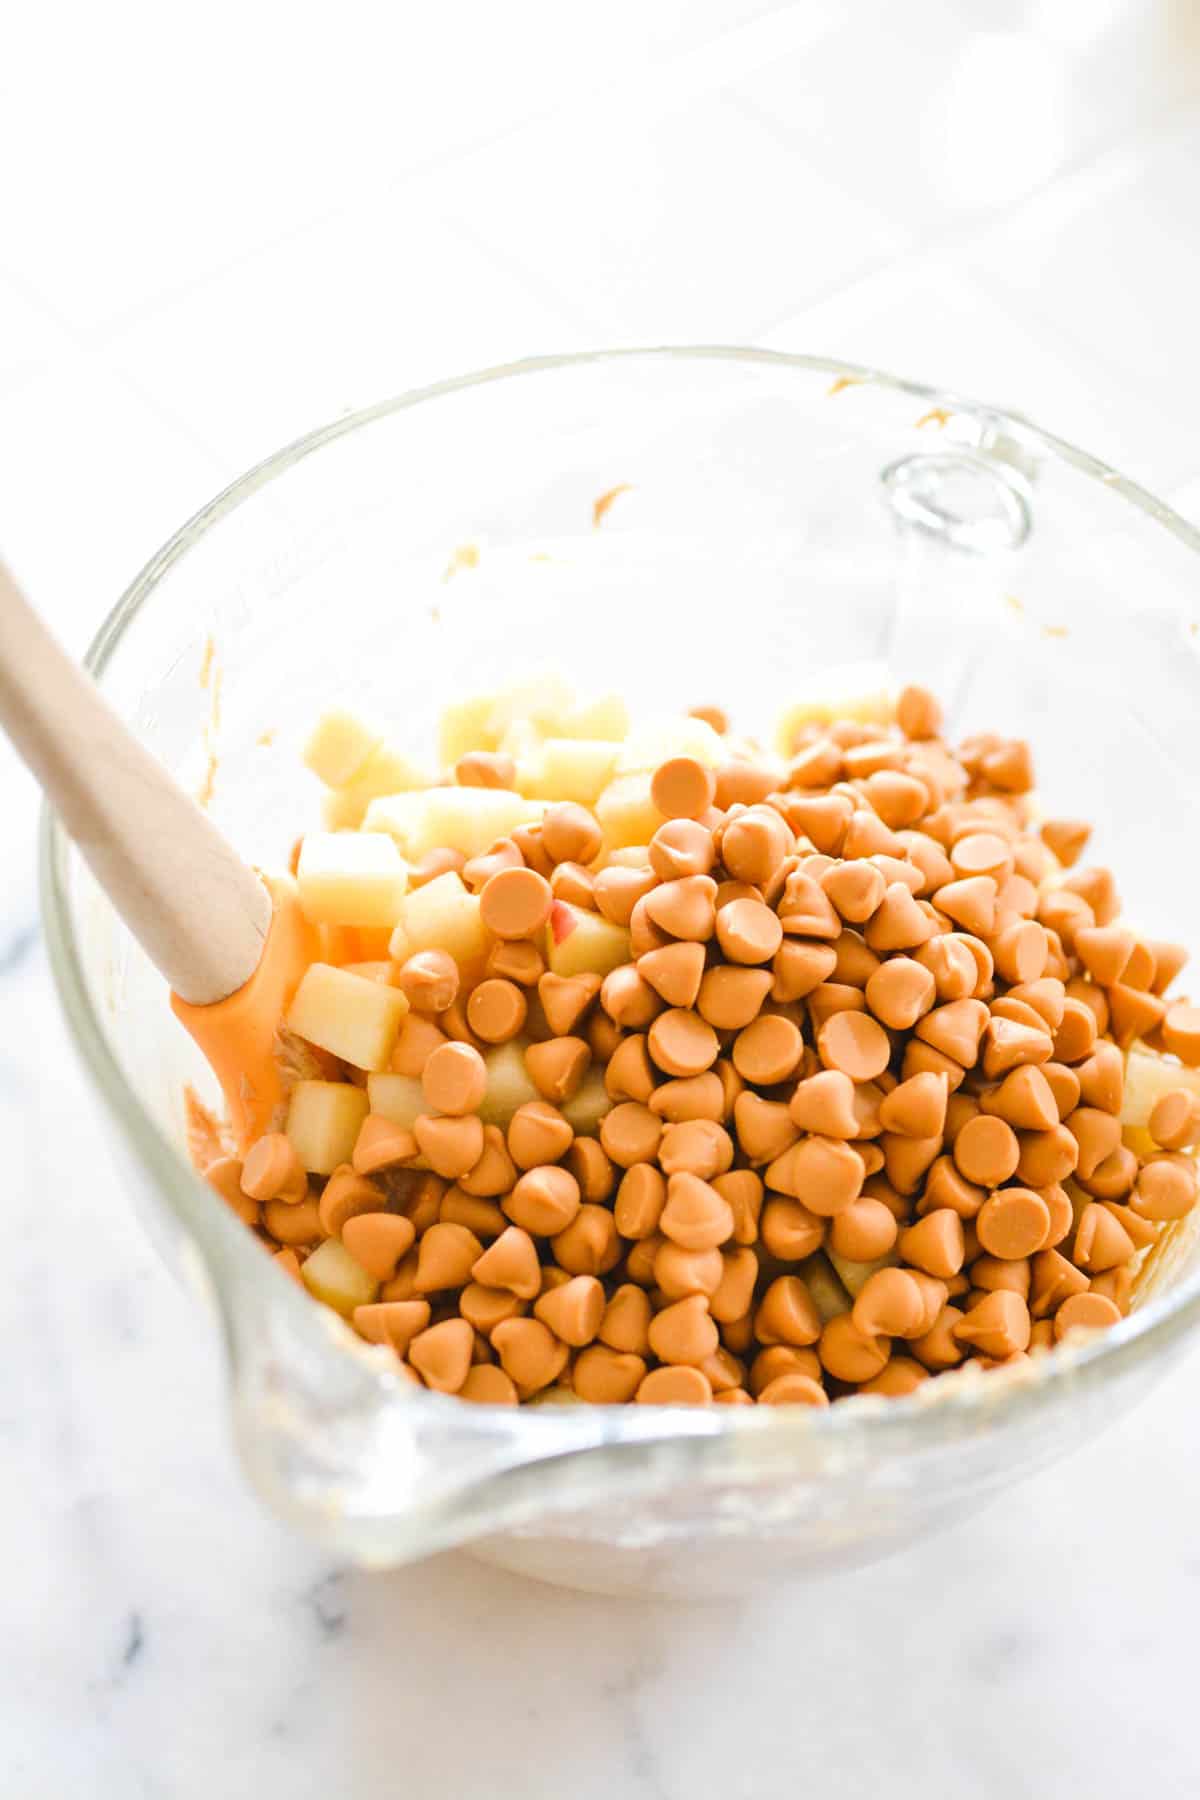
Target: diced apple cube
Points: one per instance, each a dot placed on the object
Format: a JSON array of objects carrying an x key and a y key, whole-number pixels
[
  {"x": 324, "y": 1119},
  {"x": 466, "y": 725},
  {"x": 442, "y": 915},
  {"x": 399, "y": 1098},
  {"x": 858, "y": 691},
  {"x": 351, "y": 878},
  {"x": 451, "y": 818},
  {"x": 387, "y": 770},
  {"x": 331, "y": 1274},
  {"x": 605, "y": 717},
  {"x": 583, "y": 943},
  {"x": 626, "y": 813},
  {"x": 508, "y": 1083},
  {"x": 355, "y": 1019},
  {"x": 373, "y": 971},
  {"x": 339, "y": 745},
  {"x": 587, "y": 1105},
  {"x": 576, "y": 769},
  {"x": 658, "y": 740},
  {"x": 542, "y": 700}
]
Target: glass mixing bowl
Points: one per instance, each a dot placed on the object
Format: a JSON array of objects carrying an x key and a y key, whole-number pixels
[{"x": 778, "y": 515}]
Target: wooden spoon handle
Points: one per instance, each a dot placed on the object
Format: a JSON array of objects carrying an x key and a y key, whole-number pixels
[{"x": 197, "y": 910}]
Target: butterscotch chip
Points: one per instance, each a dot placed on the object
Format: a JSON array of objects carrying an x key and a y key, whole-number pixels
[
  {"x": 589, "y": 1245},
  {"x": 1175, "y": 1120},
  {"x": 767, "y": 1051},
  {"x": 538, "y": 1133},
  {"x": 573, "y": 1311},
  {"x": 823, "y": 1103},
  {"x": 496, "y": 1011},
  {"x": 515, "y": 903},
  {"x": 544, "y": 1201},
  {"x": 607, "y": 1377},
  {"x": 683, "y": 1332},
  {"x": 446, "y": 1256},
  {"x": 570, "y": 833},
  {"x": 1085, "y": 1312},
  {"x": 483, "y": 1217},
  {"x": 864, "y": 1231},
  {"x": 682, "y": 788},
  {"x": 1013, "y": 1223},
  {"x": 678, "y": 1272},
  {"x": 890, "y": 1303},
  {"x": 517, "y": 960},
  {"x": 731, "y": 1299},
  {"x": 1067, "y": 838},
  {"x": 849, "y": 1354},
  {"x": 854, "y": 1043},
  {"x": 441, "y": 1355},
  {"x": 685, "y": 908},
  {"x": 641, "y": 1196},
  {"x": 619, "y": 890},
  {"x": 855, "y": 888},
  {"x": 675, "y": 1387},
  {"x": 273, "y": 1171},
  {"x": 692, "y": 1097},
  {"x": 696, "y": 1147},
  {"x": 1164, "y": 1190},
  {"x": 786, "y": 1314},
  {"x": 825, "y": 1174},
  {"x": 529, "y": 1353},
  {"x": 939, "y": 1347},
  {"x": 630, "y": 1133},
  {"x": 345, "y": 1195},
  {"x": 901, "y": 1376},
  {"x": 394, "y": 1323},
  {"x": 451, "y": 1146},
  {"x": 429, "y": 981},
  {"x": 1054, "y": 1280},
  {"x": 986, "y": 1151},
  {"x": 681, "y": 847},
  {"x": 682, "y": 1043},
  {"x": 798, "y": 968},
  {"x": 628, "y": 998},
  {"x": 495, "y": 1172},
  {"x": 936, "y": 1243},
  {"x": 743, "y": 1189},
  {"x": 916, "y": 1108},
  {"x": 417, "y": 1041},
  {"x": 753, "y": 845},
  {"x": 381, "y": 1145},
  {"x": 748, "y": 931},
  {"x": 485, "y": 1307},
  {"x": 625, "y": 1324},
  {"x": 377, "y": 1241},
  {"x": 731, "y": 998},
  {"x": 997, "y": 1326},
  {"x": 695, "y": 1216},
  {"x": 486, "y": 1385},
  {"x": 629, "y": 1074},
  {"x": 512, "y": 1263},
  {"x": 793, "y": 1390},
  {"x": 674, "y": 972},
  {"x": 1181, "y": 1032},
  {"x": 224, "y": 1175},
  {"x": 454, "y": 1080},
  {"x": 557, "y": 1066}
]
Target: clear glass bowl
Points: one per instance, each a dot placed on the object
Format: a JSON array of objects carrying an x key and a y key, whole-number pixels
[{"x": 779, "y": 514}]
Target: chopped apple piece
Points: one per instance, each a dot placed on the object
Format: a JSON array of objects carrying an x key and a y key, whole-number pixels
[
  {"x": 355, "y": 1019},
  {"x": 605, "y": 717},
  {"x": 399, "y": 1098},
  {"x": 508, "y": 1083},
  {"x": 583, "y": 943},
  {"x": 387, "y": 770},
  {"x": 351, "y": 878},
  {"x": 465, "y": 725},
  {"x": 442, "y": 915},
  {"x": 658, "y": 740},
  {"x": 626, "y": 813},
  {"x": 338, "y": 746},
  {"x": 828, "y": 1295},
  {"x": 850, "y": 691},
  {"x": 332, "y": 1275},
  {"x": 324, "y": 1119},
  {"x": 373, "y": 971},
  {"x": 543, "y": 700},
  {"x": 588, "y": 1104},
  {"x": 576, "y": 769},
  {"x": 468, "y": 819}
]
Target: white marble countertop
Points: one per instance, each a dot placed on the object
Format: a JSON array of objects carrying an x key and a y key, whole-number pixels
[{"x": 220, "y": 238}]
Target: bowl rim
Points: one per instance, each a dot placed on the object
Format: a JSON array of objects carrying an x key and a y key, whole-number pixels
[{"x": 966, "y": 1401}]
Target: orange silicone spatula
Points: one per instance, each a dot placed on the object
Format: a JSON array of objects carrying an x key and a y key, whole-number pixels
[{"x": 231, "y": 945}]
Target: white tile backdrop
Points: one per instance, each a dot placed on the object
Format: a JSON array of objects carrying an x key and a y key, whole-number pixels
[{"x": 220, "y": 227}]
